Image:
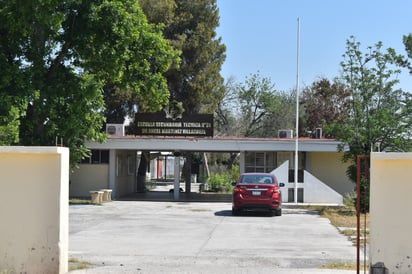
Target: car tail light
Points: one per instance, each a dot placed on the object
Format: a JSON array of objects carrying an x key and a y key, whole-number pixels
[
  {"x": 240, "y": 189},
  {"x": 275, "y": 190}
]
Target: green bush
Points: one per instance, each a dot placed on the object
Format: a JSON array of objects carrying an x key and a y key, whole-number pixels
[
  {"x": 235, "y": 173},
  {"x": 349, "y": 200},
  {"x": 220, "y": 182}
]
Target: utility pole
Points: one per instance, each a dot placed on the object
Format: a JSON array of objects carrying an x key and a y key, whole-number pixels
[{"x": 297, "y": 116}]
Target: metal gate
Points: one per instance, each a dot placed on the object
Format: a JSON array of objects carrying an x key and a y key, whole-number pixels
[{"x": 362, "y": 206}]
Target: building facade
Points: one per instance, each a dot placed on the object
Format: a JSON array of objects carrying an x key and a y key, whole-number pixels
[{"x": 321, "y": 174}]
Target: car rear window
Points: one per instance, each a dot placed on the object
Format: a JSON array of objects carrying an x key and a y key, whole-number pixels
[{"x": 256, "y": 179}]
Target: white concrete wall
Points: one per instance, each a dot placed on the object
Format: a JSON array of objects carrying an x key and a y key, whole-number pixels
[
  {"x": 328, "y": 167},
  {"x": 34, "y": 209},
  {"x": 390, "y": 211},
  {"x": 282, "y": 174},
  {"x": 88, "y": 177},
  {"x": 315, "y": 191}
]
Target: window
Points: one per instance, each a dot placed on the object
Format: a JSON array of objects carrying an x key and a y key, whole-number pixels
[
  {"x": 97, "y": 157},
  {"x": 260, "y": 161},
  {"x": 256, "y": 179},
  {"x": 268, "y": 161}
]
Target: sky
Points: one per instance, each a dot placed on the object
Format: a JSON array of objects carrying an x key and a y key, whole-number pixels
[{"x": 261, "y": 36}]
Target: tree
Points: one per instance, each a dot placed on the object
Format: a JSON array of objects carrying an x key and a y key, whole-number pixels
[
  {"x": 225, "y": 116},
  {"x": 57, "y": 57},
  {"x": 407, "y": 41},
  {"x": 253, "y": 108},
  {"x": 324, "y": 104},
  {"x": 281, "y": 114},
  {"x": 379, "y": 113},
  {"x": 190, "y": 26},
  {"x": 160, "y": 12},
  {"x": 260, "y": 109}
]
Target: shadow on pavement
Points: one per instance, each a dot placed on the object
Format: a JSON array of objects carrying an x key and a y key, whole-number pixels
[
  {"x": 166, "y": 196},
  {"x": 257, "y": 213}
]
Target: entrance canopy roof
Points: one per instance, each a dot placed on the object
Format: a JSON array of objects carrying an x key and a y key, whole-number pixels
[{"x": 215, "y": 144}]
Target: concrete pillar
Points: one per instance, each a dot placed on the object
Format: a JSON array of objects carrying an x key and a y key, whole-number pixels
[
  {"x": 112, "y": 172},
  {"x": 242, "y": 162},
  {"x": 177, "y": 179}
]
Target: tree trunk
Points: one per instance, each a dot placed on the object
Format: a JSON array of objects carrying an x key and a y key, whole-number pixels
[
  {"x": 187, "y": 172},
  {"x": 232, "y": 160},
  {"x": 206, "y": 164},
  {"x": 141, "y": 172}
]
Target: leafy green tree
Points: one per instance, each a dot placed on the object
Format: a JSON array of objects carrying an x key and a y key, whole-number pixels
[
  {"x": 260, "y": 109},
  {"x": 281, "y": 114},
  {"x": 57, "y": 57},
  {"x": 190, "y": 26},
  {"x": 9, "y": 121},
  {"x": 161, "y": 12},
  {"x": 253, "y": 108},
  {"x": 407, "y": 41},
  {"x": 255, "y": 95},
  {"x": 379, "y": 113}
]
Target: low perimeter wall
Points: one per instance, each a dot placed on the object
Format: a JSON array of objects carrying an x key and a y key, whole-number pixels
[
  {"x": 390, "y": 211},
  {"x": 34, "y": 209}
]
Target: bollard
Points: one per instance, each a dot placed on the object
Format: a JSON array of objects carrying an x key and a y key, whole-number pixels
[
  {"x": 95, "y": 196},
  {"x": 107, "y": 195}
]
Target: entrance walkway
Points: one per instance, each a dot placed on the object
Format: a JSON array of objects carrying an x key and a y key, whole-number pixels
[{"x": 163, "y": 237}]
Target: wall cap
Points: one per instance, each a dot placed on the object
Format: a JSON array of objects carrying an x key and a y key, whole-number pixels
[
  {"x": 33, "y": 149},
  {"x": 391, "y": 155}
]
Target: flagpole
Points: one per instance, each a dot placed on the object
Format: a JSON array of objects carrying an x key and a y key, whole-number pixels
[{"x": 297, "y": 115}]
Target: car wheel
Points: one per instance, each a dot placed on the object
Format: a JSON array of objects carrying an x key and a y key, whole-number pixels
[{"x": 278, "y": 212}]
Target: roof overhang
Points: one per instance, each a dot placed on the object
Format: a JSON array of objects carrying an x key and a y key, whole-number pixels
[{"x": 215, "y": 144}]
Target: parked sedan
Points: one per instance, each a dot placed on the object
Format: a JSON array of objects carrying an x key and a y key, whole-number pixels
[{"x": 257, "y": 191}]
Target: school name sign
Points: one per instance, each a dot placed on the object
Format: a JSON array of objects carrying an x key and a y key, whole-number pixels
[{"x": 158, "y": 124}]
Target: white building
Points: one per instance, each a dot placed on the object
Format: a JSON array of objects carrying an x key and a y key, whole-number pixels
[{"x": 322, "y": 175}]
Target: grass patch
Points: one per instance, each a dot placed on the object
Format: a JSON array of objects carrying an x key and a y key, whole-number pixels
[
  {"x": 339, "y": 265},
  {"x": 199, "y": 210},
  {"x": 343, "y": 216},
  {"x": 340, "y": 217},
  {"x": 346, "y": 217},
  {"x": 349, "y": 232},
  {"x": 76, "y": 264},
  {"x": 80, "y": 202}
]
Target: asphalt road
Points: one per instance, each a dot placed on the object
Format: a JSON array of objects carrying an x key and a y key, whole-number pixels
[{"x": 173, "y": 237}]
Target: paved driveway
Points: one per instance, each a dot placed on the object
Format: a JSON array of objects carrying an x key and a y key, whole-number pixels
[{"x": 170, "y": 237}]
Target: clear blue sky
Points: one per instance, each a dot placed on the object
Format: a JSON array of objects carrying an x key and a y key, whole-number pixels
[{"x": 261, "y": 35}]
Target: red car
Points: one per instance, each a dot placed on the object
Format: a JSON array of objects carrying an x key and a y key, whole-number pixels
[{"x": 257, "y": 191}]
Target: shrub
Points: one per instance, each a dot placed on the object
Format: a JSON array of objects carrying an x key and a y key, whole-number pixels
[
  {"x": 235, "y": 173},
  {"x": 349, "y": 200},
  {"x": 220, "y": 182}
]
